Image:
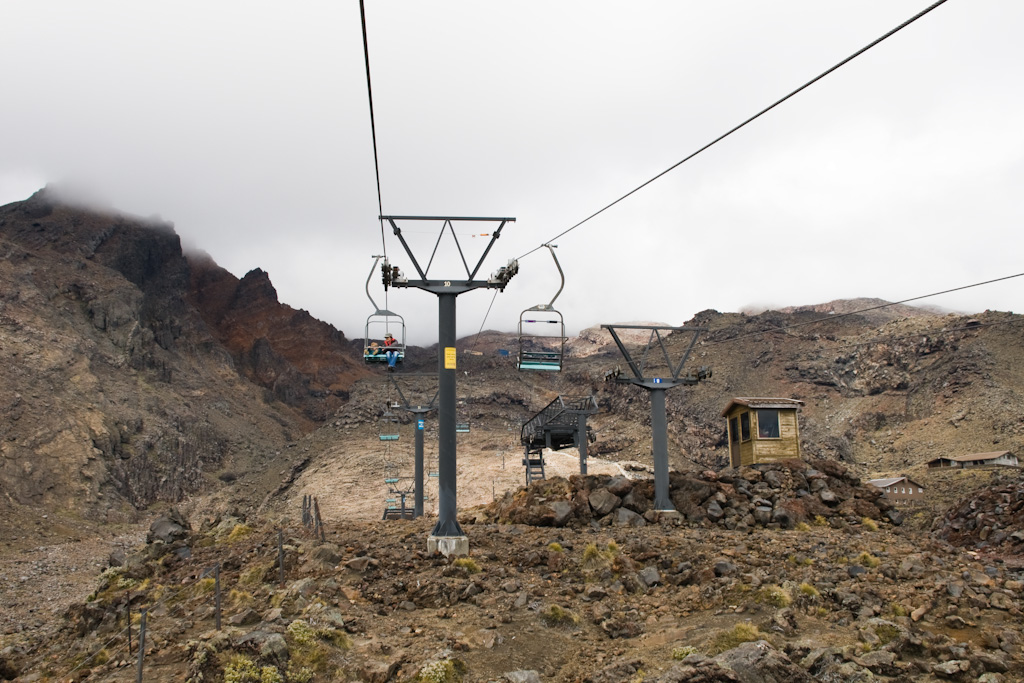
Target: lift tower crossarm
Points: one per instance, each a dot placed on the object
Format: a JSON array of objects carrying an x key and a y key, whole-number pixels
[{"x": 471, "y": 274}]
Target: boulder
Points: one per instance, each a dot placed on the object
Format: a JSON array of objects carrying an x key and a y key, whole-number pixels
[
  {"x": 759, "y": 662},
  {"x": 626, "y": 517},
  {"x": 603, "y": 501},
  {"x": 619, "y": 486},
  {"x": 167, "y": 529}
]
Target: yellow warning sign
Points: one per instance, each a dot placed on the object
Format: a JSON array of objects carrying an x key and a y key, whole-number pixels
[{"x": 449, "y": 358}]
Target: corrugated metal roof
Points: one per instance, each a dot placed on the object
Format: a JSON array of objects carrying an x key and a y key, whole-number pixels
[
  {"x": 979, "y": 456},
  {"x": 762, "y": 403},
  {"x": 882, "y": 483}
]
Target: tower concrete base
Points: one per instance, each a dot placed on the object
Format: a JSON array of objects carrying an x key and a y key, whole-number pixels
[{"x": 448, "y": 545}]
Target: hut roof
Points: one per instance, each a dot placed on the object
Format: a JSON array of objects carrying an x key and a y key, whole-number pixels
[{"x": 762, "y": 403}]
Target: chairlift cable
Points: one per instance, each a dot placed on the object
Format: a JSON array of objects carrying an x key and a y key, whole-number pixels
[
  {"x": 749, "y": 120},
  {"x": 373, "y": 125},
  {"x": 373, "y": 133},
  {"x": 483, "y": 322}
]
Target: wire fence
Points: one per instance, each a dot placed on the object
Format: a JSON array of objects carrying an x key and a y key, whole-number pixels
[{"x": 129, "y": 641}]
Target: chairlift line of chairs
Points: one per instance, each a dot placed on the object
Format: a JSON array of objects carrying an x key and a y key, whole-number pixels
[
  {"x": 379, "y": 325},
  {"x": 541, "y": 346}
]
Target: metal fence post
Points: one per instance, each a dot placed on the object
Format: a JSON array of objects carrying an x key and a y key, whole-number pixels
[
  {"x": 319, "y": 522},
  {"x": 128, "y": 611},
  {"x": 216, "y": 590},
  {"x": 280, "y": 556},
  {"x": 142, "y": 645}
]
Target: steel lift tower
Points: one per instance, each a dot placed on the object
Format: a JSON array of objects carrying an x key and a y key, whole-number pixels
[
  {"x": 419, "y": 411},
  {"x": 447, "y": 536},
  {"x": 657, "y": 386}
]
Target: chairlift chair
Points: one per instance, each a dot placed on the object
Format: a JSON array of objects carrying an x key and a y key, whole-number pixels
[
  {"x": 542, "y": 337},
  {"x": 388, "y": 426},
  {"x": 379, "y": 324}
]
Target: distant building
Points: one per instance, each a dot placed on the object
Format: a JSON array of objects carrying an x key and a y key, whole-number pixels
[
  {"x": 900, "y": 489},
  {"x": 762, "y": 430},
  {"x": 995, "y": 458}
]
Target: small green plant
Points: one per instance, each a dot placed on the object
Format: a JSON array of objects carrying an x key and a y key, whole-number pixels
[
  {"x": 241, "y": 669},
  {"x": 204, "y": 586},
  {"x": 309, "y": 650},
  {"x": 555, "y": 615},
  {"x": 886, "y": 633},
  {"x": 809, "y": 590},
  {"x": 866, "y": 559},
  {"x": 253, "y": 576},
  {"x": 238, "y": 532},
  {"x": 743, "y": 632},
  {"x": 591, "y": 553},
  {"x": 802, "y": 526},
  {"x": 467, "y": 563},
  {"x": 555, "y": 547},
  {"x": 869, "y": 524},
  {"x": 684, "y": 652},
  {"x": 240, "y": 598},
  {"x": 110, "y": 575},
  {"x": 776, "y": 596},
  {"x": 298, "y": 675},
  {"x": 800, "y": 560},
  {"x": 595, "y": 559},
  {"x": 442, "y": 671},
  {"x": 820, "y": 521},
  {"x": 125, "y": 583},
  {"x": 898, "y": 610},
  {"x": 302, "y": 634}
]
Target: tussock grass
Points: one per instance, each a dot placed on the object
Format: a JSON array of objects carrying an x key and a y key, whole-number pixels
[
  {"x": 743, "y": 632},
  {"x": 556, "y": 616}
]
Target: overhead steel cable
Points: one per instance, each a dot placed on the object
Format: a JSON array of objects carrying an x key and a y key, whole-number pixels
[
  {"x": 752, "y": 118},
  {"x": 373, "y": 125},
  {"x": 858, "y": 312}
]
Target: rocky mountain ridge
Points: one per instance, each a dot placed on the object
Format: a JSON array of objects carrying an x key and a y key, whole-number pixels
[{"x": 126, "y": 378}]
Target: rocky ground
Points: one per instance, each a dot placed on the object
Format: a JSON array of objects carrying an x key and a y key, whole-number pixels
[{"x": 603, "y": 598}]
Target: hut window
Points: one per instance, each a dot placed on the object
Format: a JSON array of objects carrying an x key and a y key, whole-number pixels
[
  {"x": 920, "y": 490},
  {"x": 734, "y": 430},
  {"x": 745, "y": 426},
  {"x": 768, "y": 424}
]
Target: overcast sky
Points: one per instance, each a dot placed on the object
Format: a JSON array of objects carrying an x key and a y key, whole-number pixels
[{"x": 247, "y": 125}]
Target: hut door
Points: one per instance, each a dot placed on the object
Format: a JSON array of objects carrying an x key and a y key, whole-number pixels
[{"x": 734, "y": 442}]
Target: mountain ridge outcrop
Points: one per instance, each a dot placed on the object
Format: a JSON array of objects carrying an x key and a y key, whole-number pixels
[{"x": 115, "y": 391}]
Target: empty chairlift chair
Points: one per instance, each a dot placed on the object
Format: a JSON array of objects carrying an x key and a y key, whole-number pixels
[
  {"x": 542, "y": 333},
  {"x": 379, "y": 325},
  {"x": 388, "y": 426}
]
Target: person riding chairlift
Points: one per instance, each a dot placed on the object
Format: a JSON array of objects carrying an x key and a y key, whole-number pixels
[{"x": 392, "y": 354}]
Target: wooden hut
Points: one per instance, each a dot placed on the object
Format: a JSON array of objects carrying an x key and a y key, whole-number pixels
[
  {"x": 900, "y": 489},
  {"x": 762, "y": 430}
]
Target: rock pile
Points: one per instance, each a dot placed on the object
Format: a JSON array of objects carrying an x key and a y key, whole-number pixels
[
  {"x": 778, "y": 495},
  {"x": 991, "y": 520}
]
